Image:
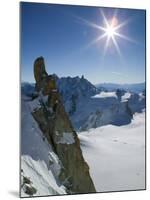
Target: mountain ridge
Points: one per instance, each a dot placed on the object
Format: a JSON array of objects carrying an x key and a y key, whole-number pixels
[
  {"x": 45, "y": 111},
  {"x": 107, "y": 106}
]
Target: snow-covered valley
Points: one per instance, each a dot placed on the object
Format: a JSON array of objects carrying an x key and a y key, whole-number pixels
[
  {"x": 112, "y": 138},
  {"x": 116, "y": 155}
]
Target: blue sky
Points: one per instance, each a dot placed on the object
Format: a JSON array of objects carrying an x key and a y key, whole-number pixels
[{"x": 63, "y": 34}]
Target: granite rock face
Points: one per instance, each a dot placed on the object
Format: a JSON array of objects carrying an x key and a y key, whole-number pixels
[{"x": 57, "y": 128}]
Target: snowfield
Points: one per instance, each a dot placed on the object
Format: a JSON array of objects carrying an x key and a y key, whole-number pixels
[
  {"x": 105, "y": 95},
  {"x": 126, "y": 96},
  {"x": 116, "y": 155}
]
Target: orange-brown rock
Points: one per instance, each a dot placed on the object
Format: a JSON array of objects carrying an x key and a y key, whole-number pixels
[
  {"x": 49, "y": 85},
  {"x": 56, "y": 126},
  {"x": 39, "y": 72}
]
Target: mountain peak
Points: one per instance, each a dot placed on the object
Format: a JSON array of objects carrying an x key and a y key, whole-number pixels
[{"x": 57, "y": 128}]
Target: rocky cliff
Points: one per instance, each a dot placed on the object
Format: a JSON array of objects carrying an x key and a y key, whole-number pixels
[{"x": 55, "y": 125}]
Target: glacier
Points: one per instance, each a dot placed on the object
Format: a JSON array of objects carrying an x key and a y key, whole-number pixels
[{"x": 116, "y": 155}]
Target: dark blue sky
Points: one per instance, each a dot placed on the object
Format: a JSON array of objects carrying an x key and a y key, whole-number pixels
[{"x": 57, "y": 33}]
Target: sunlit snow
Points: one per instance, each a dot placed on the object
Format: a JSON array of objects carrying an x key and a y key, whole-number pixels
[
  {"x": 125, "y": 97},
  {"x": 105, "y": 95},
  {"x": 116, "y": 155}
]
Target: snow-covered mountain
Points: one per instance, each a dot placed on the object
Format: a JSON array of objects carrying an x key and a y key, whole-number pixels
[
  {"x": 89, "y": 107},
  {"x": 107, "y": 154},
  {"x": 74, "y": 90},
  {"x": 77, "y": 86},
  {"x": 51, "y": 158},
  {"x": 27, "y": 88},
  {"x": 40, "y": 166}
]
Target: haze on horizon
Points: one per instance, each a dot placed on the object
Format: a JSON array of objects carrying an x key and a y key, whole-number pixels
[{"x": 67, "y": 38}]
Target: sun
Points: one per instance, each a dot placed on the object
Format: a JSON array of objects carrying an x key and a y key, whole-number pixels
[
  {"x": 111, "y": 27},
  {"x": 109, "y": 30}
]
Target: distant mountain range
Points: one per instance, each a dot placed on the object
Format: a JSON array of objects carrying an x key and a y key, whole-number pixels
[
  {"x": 53, "y": 110},
  {"x": 135, "y": 87},
  {"x": 91, "y": 106}
]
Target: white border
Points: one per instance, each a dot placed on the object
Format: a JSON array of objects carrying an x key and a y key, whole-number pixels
[{"x": 9, "y": 98}]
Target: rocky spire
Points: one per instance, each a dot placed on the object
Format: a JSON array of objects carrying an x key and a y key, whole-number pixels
[
  {"x": 56, "y": 126},
  {"x": 39, "y": 72}
]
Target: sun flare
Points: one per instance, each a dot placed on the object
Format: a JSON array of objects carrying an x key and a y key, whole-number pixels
[
  {"x": 111, "y": 30},
  {"x": 111, "y": 27}
]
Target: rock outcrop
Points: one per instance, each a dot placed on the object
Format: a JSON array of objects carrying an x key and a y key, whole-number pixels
[{"x": 57, "y": 128}]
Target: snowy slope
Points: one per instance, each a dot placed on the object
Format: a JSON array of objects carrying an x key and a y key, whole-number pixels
[
  {"x": 38, "y": 161},
  {"x": 105, "y": 95},
  {"x": 41, "y": 177},
  {"x": 75, "y": 90},
  {"x": 116, "y": 108},
  {"x": 116, "y": 155},
  {"x": 125, "y": 97},
  {"x": 31, "y": 135},
  {"x": 89, "y": 107}
]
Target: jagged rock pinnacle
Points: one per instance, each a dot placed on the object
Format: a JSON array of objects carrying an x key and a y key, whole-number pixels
[
  {"x": 44, "y": 82},
  {"x": 56, "y": 126},
  {"x": 39, "y": 72}
]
